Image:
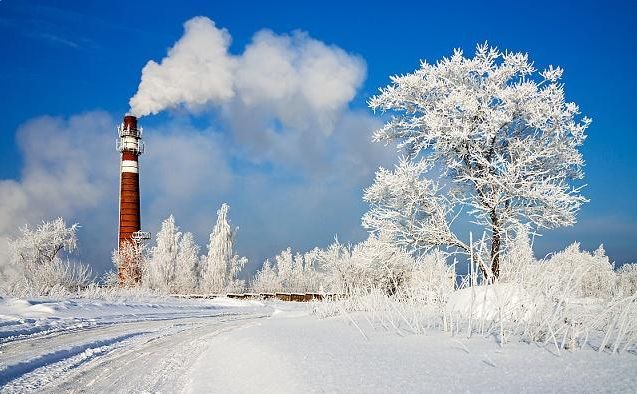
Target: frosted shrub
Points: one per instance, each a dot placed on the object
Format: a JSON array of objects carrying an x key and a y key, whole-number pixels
[
  {"x": 411, "y": 298},
  {"x": 518, "y": 262},
  {"x": 384, "y": 266},
  {"x": 372, "y": 264},
  {"x": 572, "y": 271},
  {"x": 592, "y": 273},
  {"x": 342, "y": 272},
  {"x": 37, "y": 265},
  {"x": 627, "y": 280},
  {"x": 290, "y": 273},
  {"x": 266, "y": 279},
  {"x": 431, "y": 280},
  {"x": 131, "y": 265},
  {"x": 567, "y": 300}
]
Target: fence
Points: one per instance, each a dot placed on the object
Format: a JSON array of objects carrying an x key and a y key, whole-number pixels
[{"x": 292, "y": 297}]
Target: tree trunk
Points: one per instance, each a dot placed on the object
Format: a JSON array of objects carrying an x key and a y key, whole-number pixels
[{"x": 496, "y": 240}]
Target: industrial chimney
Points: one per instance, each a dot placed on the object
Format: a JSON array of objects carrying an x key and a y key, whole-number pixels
[{"x": 130, "y": 145}]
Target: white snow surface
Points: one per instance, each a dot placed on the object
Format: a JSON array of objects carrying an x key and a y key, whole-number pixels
[{"x": 171, "y": 345}]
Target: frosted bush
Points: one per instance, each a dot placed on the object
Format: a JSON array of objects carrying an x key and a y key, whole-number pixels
[
  {"x": 567, "y": 301},
  {"x": 374, "y": 263},
  {"x": 38, "y": 268},
  {"x": 518, "y": 261},
  {"x": 592, "y": 273},
  {"x": 341, "y": 271},
  {"x": 431, "y": 280},
  {"x": 266, "y": 279},
  {"x": 577, "y": 272},
  {"x": 290, "y": 273},
  {"x": 384, "y": 266},
  {"x": 131, "y": 264},
  {"x": 416, "y": 303},
  {"x": 627, "y": 279}
]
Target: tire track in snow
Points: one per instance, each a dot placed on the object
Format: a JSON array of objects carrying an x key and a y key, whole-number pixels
[
  {"x": 70, "y": 357},
  {"x": 74, "y": 325},
  {"x": 29, "y": 347},
  {"x": 144, "y": 354},
  {"x": 157, "y": 365}
]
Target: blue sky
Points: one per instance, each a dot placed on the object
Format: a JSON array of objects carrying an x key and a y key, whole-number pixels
[{"x": 67, "y": 59}]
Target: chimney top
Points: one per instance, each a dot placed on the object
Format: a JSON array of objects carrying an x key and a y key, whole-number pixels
[{"x": 130, "y": 122}]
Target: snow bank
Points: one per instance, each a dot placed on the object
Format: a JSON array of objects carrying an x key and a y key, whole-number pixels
[
  {"x": 303, "y": 354},
  {"x": 487, "y": 302}
]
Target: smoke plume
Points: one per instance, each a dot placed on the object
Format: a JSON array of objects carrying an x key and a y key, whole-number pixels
[
  {"x": 299, "y": 80},
  {"x": 197, "y": 71}
]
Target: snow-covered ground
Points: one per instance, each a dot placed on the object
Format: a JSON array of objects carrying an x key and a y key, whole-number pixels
[{"x": 227, "y": 346}]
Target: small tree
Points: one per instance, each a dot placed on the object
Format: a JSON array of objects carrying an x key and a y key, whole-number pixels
[
  {"x": 132, "y": 258},
  {"x": 285, "y": 267},
  {"x": 35, "y": 256},
  {"x": 163, "y": 261},
  {"x": 186, "y": 272},
  {"x": 266, "y": 279},
  {"x": 221, "y": 266},
  {"x": 499, "y": 134},
  {"x": 292, "y": 273}
]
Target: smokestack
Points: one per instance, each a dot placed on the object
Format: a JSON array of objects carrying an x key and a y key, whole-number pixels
[{"x": 131, "y": 146}]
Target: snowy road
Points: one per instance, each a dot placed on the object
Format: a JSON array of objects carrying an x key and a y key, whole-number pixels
[{"x": 148, "y": 350}]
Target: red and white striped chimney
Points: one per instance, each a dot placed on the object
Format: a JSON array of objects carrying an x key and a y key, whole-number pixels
[{"x": 130, "y": 145}]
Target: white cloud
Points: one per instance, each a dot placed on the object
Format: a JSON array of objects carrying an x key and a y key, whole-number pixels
[
  {"x": 59, "y": 172},
  {"x": 69, "y": 165}
]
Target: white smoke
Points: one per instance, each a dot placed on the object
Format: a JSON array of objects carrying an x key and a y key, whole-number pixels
[
  {"x": 196, "y": 72},
  {"x": 295, "y": 79}
]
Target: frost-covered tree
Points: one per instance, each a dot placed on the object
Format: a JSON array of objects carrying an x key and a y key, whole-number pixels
[
  {"x": 313, "y": 273},
  {"x": 221, "y": 266},
  {"x": 285, "y": 267},
  {"x": 374, "y": 263},
  {"x": 266, "y": 279},
  {"x": 384, "y": 265},
  {"x": 163, "y": 261},
  {"x": 131, "y": 274},
  {"x": 186, "y": 271},
  {"x": 37, "y": 267},
  {"x": 501, "y": 137},
  {"x": 290, "y": 273}
]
